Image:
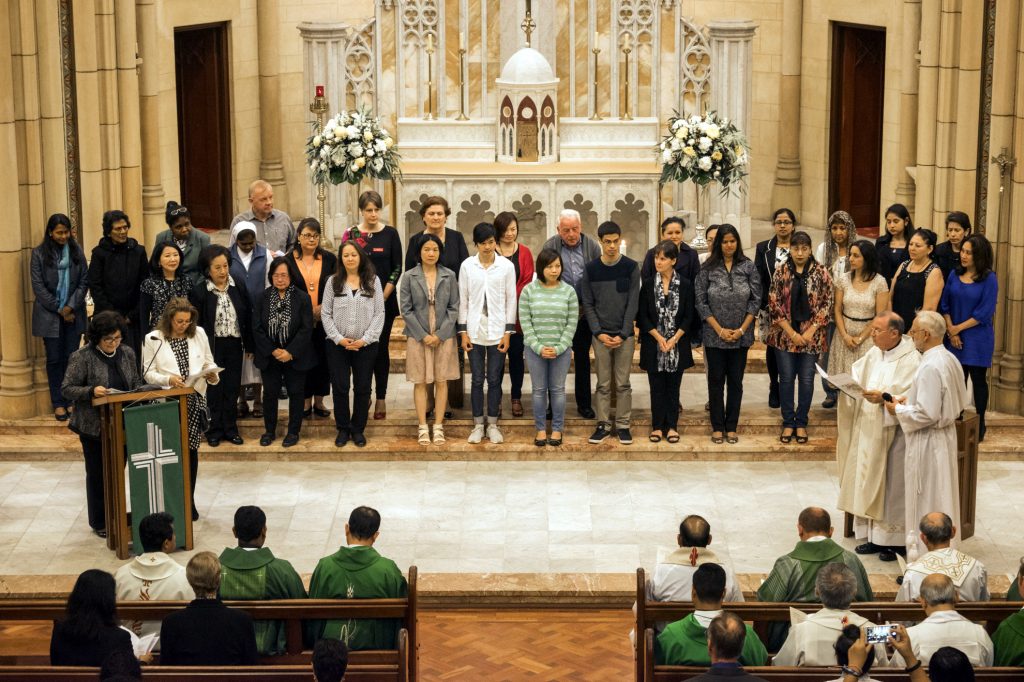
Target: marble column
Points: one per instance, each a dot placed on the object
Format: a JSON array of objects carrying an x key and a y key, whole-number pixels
[
  {"x": 268, "y": 55},
  {"x": 787, "y": 190},
  {"x": 129, "y": 157},
  {"x": 910, "y": 41},
  {"x": 928, "y": 93},
  {"x": 153, "y": 199},
  {"x": 731, "y": 75}
]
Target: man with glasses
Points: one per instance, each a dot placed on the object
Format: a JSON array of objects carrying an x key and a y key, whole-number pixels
[
  {"x": 768, "y": 256},
  {"x": 274, "y": 229},
  {"x": 869, "y": 447},
  {"x": 927, "y": 415}
]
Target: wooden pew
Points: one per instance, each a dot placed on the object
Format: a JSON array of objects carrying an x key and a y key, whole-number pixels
[
  {"x": 648, "y": 613},
  {"x": 678, "y": 673},
  {"x": 294, "y": 612}
]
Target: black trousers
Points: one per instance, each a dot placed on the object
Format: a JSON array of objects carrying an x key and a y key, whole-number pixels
[
  {"x": 274, "y": 375},
  {"x": 725, "y": 365},
  {"x": 351, "y": 368},
  {"x": 772, "y": 364},
  {"x": 664, "y": 399},
  {"x": 318, "y": 379},
  {"x": 382, "y": 364},
  {"x": 581, "y": 342},
  {"x": 193, "y": 468},
  {"x": 979, "y": 383},
  {"x": 223, "y": 396},
  {"x": 92, "y": 450},
  {"x": 516, "y": 364}
]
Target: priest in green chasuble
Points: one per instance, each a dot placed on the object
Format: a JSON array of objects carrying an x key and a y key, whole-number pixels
[{"x": 250, "y": 571}]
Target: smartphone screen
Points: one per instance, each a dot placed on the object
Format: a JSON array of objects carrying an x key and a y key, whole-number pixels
[{"x": 878, "y": 634}]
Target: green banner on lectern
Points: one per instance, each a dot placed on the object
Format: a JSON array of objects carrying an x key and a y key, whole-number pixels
[{"x": 155, "y": 476}]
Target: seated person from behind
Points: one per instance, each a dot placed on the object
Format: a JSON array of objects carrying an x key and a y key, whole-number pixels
[
  {"x": 849, "y": 637},
  {"x": 89, "y": 631},
  {"x": 945, "y": 627},
  {"x": 251, "y": 571},
  {"x": 812, "y": 638},
  {"x": 330, "y": 660},
  {"x": 967, "y": 573},
  {"x": 1009, "y": 638},
  {"x": 685, "y": 642},
  {"x": 727, "y": 634},
  {"x": 206, "y": 632},
  {"x": 672, "y": 579},
  {"x": 153, "y": 575},
  {"x": 357, "y": 571}
]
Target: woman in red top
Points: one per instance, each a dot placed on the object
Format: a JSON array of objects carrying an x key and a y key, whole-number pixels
[{"x": 507, "y": 228}]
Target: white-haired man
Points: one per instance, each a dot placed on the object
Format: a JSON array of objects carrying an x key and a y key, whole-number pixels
[
  {"x": 576, "y": 250},
  {"x": 274, "y": 229},
  {"x": 927, "y": 414}
]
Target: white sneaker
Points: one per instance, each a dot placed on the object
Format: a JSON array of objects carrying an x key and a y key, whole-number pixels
[
  {"x": 494, "y": 434},
  {"x": 476, "y": 435}
]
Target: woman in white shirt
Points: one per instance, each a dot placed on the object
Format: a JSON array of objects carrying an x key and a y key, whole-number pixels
[{"x": 175, "y": 349}]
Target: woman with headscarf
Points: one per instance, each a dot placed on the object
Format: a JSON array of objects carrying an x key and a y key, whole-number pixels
[{"x": 249, "y": 269}]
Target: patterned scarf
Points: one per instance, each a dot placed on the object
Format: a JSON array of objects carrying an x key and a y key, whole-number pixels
[
  {"x": 280, "y": 317},
  {"x": 667, "y": 305},
  {"x": 162, "y": 291}
]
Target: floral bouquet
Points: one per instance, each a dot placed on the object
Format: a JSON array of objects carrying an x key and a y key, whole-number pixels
[
  {"x": 351, "y": 146},
  {"x": 703, "y": 149}
]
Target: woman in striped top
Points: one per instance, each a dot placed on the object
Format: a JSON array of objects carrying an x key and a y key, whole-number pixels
[{"x": 548, "y": 313}]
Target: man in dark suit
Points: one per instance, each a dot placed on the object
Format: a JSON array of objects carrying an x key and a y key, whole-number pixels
[
  {"x": 206, "y": 632},
  {"x": 769, "y": 254},
  {"x": 726, "y": 634}
]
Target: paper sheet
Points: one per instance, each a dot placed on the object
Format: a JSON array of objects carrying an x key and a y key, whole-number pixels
[
  {"x": 844, "y": 382},
  {"x": 191, "y": 379}
]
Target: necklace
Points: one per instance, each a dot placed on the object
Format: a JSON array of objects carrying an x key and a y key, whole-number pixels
[
  {"x": 109, "y": 355},
  {"x": 307, "y": 273}
]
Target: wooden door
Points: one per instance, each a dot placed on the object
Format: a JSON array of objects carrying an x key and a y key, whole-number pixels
[
  {"x": 855, "y": 154},
  {"x": 204, "y": 123}
]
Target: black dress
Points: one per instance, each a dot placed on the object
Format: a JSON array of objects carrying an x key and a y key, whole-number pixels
[
  {"x": 908, "y": 292},
  {"x": 889, "y": 258},
  {"x": 68, "y": 650}
]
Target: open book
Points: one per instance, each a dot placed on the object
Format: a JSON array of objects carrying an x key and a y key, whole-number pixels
[{"x": 844, "y": 382}]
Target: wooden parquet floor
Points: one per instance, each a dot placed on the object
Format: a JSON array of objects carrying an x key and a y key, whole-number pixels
[{"x": 512, "y": 646}]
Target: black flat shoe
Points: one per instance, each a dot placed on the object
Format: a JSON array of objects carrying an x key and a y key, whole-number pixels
[
  {"x": 586, "y": 412},
  {"x": 342, "y": 439},
  {"x": 868, "y": 548},
  {"x": 359, "y": 439},
  {"x": 100, "y": 532},
  {"x": 829, "y": 403},
  {"x": 61, "y": 417},
  {"x": 213, "y": 442},
  {"x": 266, "y": 439},
  {"x": 236, "y": 440},
  {"x": 784, "y": 437},
  {"x": 555, "y": 442},
  {"x": 540, "y": 442},
  {"x": 307, "y": 413},
  {"x": 321, "y": 412},
  {"x": 290, "y": 440},
  {"x": 887, "y": 555},
  {"x": 195, "y": 514},
  {"x": 801, "y": 439}
]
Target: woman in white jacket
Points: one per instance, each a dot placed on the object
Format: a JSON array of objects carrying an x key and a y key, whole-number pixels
[{"x": 175, "y": 349}]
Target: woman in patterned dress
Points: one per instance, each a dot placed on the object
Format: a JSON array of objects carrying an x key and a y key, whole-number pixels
[
  {"x": 861, "y": 294},
  {"x": 174, "y": 350}
]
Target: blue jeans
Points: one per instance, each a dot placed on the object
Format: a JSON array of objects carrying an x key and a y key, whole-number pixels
[
  {"x": 548, "y": 376},
  {"x": 488, "y": 357},
  {"x": 58, "y": 350},
  {"x": 795, "y": 367},
  {"x": 830, "y": 390}
]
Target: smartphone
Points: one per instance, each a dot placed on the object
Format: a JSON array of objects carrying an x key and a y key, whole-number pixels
[
  {"x": 879, "y": 634},
  {"x": 887, "y": 397}
]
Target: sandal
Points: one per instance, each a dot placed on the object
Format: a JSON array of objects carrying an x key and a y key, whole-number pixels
[
  {"x": 517, "y": 407},
  {"x": 732, "y": 439},
  {"x": 323, "y": 412},
  {"x": 784, "y": 437},
  {"x": 655, "y": 436},
  {"x": 801, "y": 439},
  {"x": 61, "y": 416},
  {"x": 717, "y": 440},
  {"x": 257, "y": 411},
  {"x": 672, "y": 437},
  {"x": 439, "y": 435},
  {"x": 423, "y": 435}
]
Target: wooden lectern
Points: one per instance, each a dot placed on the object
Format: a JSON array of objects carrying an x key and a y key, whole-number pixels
[
  {"x": 115, "y": 512},
  {"x": 967, "y": 476}
]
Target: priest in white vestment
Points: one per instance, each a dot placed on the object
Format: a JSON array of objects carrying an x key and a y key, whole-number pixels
[
  {"x": 869, "y": 452},
  {"x": 927, "y": 415},
  {"x": 967, "y": 573},
  {"x": 945, "y": 627}
]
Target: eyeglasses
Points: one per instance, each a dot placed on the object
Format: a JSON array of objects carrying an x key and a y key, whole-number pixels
[
  {"x": 181, "y": 210},
  {"x": 111, "y": 339},
  {"x": 309, "y": 235}
]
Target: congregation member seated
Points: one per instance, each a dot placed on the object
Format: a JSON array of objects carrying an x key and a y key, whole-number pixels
[
  {"x": 672, "y": 579},
  {"x": 967, "y": 573},
  {"x": 949, "y": 664},
  {"x": 153, "y": 575},
  {"x": 727, "y": 634},
  {"x": 856, "y": 657},
  {"x": 206, "y": 632},
  {"x": 330, "y": 660},
  {"x": 89, "y": 631},
  {"x": 685, "y": 641},
  {"x": 358, "y": 571},
  {"x": 812, "y": 638},
  {"x": 945, "y": 627},
  {"x": 251, "y": 571},
  {"x": 1009, "y": 638},
  {"x": 850, "y": 636},
  {"x": 794, "y": 574},
  {"x": 121, "y": 666}
]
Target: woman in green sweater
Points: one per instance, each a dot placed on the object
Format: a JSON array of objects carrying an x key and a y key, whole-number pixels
[{"x": 548, "y": 313}]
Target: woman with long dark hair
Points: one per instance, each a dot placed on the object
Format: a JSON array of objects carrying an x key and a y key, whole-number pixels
[
  {"x": 165, "y": 281},
  {"x": 90, "y": 630},
  {"x": 352, "y": 314},
  {"x": 917, "y": 284},
  {"x": 770, "y": 256},
  {"x": 688, "y": 261},
  {"x": 384, "y": 247},
  {"x": 892, "y": 246},
  {"x": 860, "y": 295},
  {"x": 728, "y": 298},
  {"x": 947, "y": 254},
  {"x": 311, "y": 266},
  {"x": 834, "y": 253},
  {"x": 968, "y": 304},
  {"x": 506, "y": 227},
  {"x": 60, "y": 279}
]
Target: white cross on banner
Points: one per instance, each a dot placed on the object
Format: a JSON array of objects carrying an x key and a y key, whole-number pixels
[{"x": 153, "y": 461}]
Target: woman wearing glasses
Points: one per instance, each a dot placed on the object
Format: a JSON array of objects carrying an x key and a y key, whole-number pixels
[
  {"x": 104, "y": 363},
  {"x": 769, "y": 256},
  {"x": 117, "y": 269}
]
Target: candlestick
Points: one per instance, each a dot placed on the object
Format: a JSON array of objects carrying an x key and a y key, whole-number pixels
[
  {"x": 528, "y": 24},
  {"x": 430, "y": 78},
  {"x": 595, "y": 116},
  {"x": 626, "y": 50},
  {"x": 319, "y": 107},
  {"x": 462, "y": 85}
]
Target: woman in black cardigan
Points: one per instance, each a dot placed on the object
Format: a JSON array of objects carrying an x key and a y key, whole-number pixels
[
  {"x": 225, "y": 314},
  {"x": 89, "y": 631},
  {"x": 664, "y": 316},
  {"x": 282, "y": 329}
]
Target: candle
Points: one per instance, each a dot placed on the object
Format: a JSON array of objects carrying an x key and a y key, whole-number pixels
[
  {"x": 528, "y": 4},
  {"x": 430, "y": 42},
  {"x": 319, "y": 91},
  {"x": 597, "y": 38},
  {"x": 462, "y": 40},
  {"x": 627, "y": 41}
]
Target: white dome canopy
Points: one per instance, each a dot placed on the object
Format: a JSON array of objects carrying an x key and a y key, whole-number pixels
[{"x": 527, "y": 66}]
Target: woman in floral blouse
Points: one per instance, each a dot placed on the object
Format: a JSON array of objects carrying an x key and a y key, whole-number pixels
[{"x": 800, "y": 307}]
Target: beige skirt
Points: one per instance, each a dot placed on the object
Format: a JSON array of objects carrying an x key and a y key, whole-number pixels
[{"x": 425, "y": 365}]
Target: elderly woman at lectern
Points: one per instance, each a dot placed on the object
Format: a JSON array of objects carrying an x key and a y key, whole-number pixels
[
  {"x": 176, "y": 349},
  {"x": 102, "y": 364}
]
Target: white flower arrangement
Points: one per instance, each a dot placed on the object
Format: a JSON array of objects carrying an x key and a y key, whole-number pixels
[
  {"x": 350, "y": 146},
  {"x": 704, "y": 149}
]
